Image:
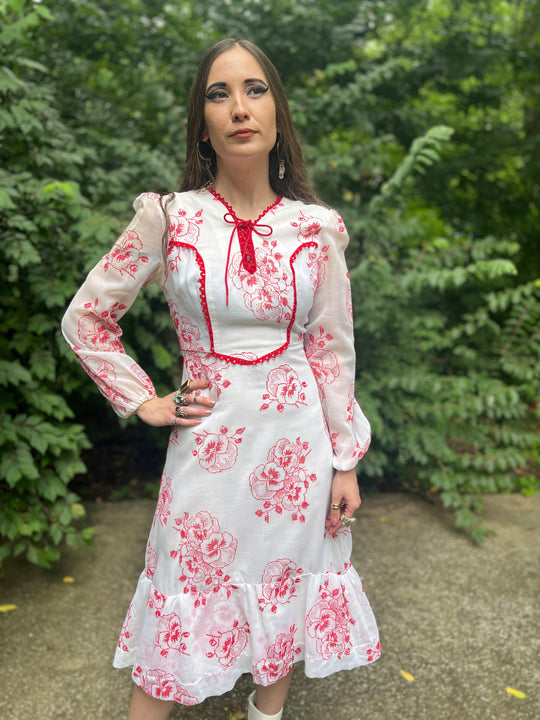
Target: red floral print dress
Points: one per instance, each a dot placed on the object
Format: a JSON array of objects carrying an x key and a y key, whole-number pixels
[{"x": 240, "y": 576}]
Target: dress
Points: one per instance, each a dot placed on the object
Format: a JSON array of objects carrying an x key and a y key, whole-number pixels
[{"x": 240, "y": 576}]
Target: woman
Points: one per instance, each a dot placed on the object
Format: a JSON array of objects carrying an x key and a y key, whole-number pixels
[{"x": 248, "y": 560}]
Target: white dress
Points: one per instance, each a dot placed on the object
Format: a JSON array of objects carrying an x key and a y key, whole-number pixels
[{"x": 240, "y": 576}]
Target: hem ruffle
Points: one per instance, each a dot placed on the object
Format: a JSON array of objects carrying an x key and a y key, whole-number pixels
[{"x": 186, "y": 650}]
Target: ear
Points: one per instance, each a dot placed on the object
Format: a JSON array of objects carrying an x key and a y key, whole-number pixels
[{"x": 205, "y": 137}]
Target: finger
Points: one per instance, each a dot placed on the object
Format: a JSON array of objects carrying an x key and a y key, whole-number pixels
[
  {"x": 191, "y": 412},
  {"x": 199, "y": 384},
  {"x": 187, "y": 421},
  {"x": 196, "y": 399},
  {"x": 334, "y": 513}
]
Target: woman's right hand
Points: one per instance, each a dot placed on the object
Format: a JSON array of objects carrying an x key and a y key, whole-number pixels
[{"x": 162, "y": 411}]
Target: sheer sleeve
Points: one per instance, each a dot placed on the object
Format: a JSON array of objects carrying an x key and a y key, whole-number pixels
[
  {"x": 329, "y": 345},
  {"x": 90, "y": 324}
]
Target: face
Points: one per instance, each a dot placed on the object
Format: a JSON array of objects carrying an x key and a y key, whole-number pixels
[{"x": 239, "y": 112}]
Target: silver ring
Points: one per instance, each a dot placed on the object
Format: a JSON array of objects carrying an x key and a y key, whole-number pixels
[
  {"x": 347, "y": 522},
  {"x": 194, "y": 399},
  {"x": 180, "y": 413},
  {"x": 174, "y": 421}
]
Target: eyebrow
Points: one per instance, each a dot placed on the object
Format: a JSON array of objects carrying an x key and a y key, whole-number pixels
[{"x": 247, "y": 81}]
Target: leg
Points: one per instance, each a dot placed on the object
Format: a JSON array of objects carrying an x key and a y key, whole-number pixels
[
  {"x": 144, "y": 707},
  {"x": 269, "y": 700}
]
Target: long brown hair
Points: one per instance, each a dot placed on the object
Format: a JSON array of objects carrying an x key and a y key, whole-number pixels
[{"x": 197, "y": 173}]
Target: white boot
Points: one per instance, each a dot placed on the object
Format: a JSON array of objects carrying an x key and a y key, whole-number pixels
[{"x": 255, "y": 714}]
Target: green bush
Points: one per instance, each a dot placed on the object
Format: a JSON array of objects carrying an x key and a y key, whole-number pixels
[
  {"x": 448, "y": 353},
  {"x": 40, "y": 446}
]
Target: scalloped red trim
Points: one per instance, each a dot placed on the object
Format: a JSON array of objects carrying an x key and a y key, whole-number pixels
[
  {"x": 235, "y": 216},
  {"x": 204, "y": 305}
]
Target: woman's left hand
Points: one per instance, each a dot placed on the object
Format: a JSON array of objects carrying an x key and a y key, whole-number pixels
[{"x": 346, "y": 494}]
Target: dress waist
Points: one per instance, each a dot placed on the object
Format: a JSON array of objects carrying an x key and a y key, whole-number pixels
[{"x": 248, "y": 357}]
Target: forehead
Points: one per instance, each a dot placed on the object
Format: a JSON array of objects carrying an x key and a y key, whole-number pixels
[{"x": 235, "y": 64}]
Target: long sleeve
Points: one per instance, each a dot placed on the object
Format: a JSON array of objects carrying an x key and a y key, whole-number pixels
[
  {"x": 90, "y": 324},
  {"x": 329, "y": 345}
]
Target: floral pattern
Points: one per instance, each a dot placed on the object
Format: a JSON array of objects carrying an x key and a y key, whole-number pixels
[
  {"x": 278, "y": 583},
  {"x": 156, "y": 602},
  {"x": 165, "y": 498},
  {"x": 126, "y": 634},
  {"x": 125, "y": 256},
  {"x": 150, "y": 561},
  {"x": 227, "y": 645},
  {"x": 182, "y": 230},
  {"x": 329, "y": 623},
  {"x": 170, "y": 635},
  {"x": 217, "y": 451},
  {"x": 203, "y": 553},
  {"x": 207, "y": 367},
  {"x": 282, "y": 482},
  {"x": 317, "y": 267},
  {"x": 161, "y": 685},
  {"x": 323, "y": 362},
  {"x": 278, "y": 660},
  {"x": 103, "y": 374},
  {"x": 308, "y": 227},
  {"x": 284, "y": 388},
  {"x": 374, "y": 653},
  {"x": 100, "y": 330},
  {"x": 144, "y": 379},
  {"x": 348, "y": 306},
  {"x": 267, "y": 292}
]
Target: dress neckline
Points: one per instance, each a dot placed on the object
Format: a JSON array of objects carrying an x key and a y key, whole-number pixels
[{"x": 229, "y": 207}]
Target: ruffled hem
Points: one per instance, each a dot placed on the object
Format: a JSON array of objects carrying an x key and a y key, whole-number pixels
[{"x": 187, "y": 649}]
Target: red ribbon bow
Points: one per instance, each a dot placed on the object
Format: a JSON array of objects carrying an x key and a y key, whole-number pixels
[{"x": 245, "y": 229}]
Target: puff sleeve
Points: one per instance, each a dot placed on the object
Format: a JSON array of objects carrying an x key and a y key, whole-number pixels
[
  {"x": 329, "y": 346},
  {"x": 90, "y": 324}
]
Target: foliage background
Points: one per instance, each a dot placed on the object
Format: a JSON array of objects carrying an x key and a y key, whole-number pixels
[{"x": 421, "y": 125}]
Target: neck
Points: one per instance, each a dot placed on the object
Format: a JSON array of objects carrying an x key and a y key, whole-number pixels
[{"x": 246, "y": 188}]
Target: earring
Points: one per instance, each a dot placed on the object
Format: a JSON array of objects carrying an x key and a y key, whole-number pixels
[
  {"x": 281, "y": 163},
  {"x": 206, "y": 160}
]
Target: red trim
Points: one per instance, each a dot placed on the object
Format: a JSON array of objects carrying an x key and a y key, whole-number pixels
[
  {"x": 204, "y": 305},
  {"x": 236, "y": 218}
]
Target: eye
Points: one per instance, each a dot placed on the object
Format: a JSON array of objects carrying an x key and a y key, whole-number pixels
[
  {"x": 216, "y": 95},
  {"x": 258, "y": 90}
]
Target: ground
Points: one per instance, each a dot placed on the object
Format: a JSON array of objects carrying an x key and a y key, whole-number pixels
[{"x": 461, "y": 619}]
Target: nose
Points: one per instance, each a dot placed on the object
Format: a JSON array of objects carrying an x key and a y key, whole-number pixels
[{"x": 239, "y": 109}]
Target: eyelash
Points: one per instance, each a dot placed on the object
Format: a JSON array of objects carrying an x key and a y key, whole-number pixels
[{"x": 222, "y": 95}]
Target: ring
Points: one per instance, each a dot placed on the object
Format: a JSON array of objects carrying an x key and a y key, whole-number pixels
[
  {"x": 180, "y": 413},
  {"x": 174, "y": 421},
  {"x": 180, "y": 398},
  {"x": 347, "y": 522},
  {"x": 334, "y": 506},
  {"x": 182, "y": 390},
  {"x": 194, "y": 399}
]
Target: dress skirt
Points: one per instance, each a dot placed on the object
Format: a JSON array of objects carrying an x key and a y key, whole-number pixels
[{"x": 240, "y": 575}]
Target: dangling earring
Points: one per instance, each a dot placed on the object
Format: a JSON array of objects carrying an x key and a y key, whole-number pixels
[
  {"x": 206, "y": 160},
  {"x": 281, "y": 163}
]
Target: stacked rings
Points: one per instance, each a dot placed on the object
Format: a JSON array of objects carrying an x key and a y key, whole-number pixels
[{"x": 180, "y": 400}]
